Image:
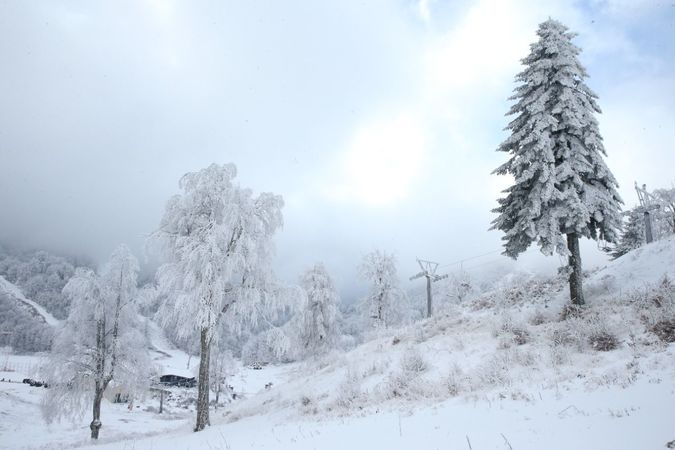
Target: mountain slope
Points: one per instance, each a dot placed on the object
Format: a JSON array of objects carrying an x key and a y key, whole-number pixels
[
  {"x": 500, "y": 371},
  {"x": 36, "y": 310}
]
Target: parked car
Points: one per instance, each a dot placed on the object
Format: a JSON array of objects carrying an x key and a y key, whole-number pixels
[{"x": 34, "y": 383}]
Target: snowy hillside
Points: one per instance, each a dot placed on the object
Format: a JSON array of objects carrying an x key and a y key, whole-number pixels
[
  {"x": 500, "y": 371},
  {"x": 38, "y": 311},
  {"x": 635, "y": 270}
]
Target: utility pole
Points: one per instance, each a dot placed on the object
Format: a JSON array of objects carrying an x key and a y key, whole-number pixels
[{"x": 429, "y": 272}]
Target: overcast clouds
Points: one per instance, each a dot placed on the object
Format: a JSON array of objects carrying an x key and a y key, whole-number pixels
[{"x": 377, "y": 121}]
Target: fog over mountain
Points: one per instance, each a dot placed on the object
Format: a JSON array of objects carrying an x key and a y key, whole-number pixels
[{"x": 376, "y": 121}]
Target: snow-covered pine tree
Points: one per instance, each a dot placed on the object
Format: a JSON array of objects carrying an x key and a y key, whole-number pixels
[
  {"x": 386, "y": 301},
  {"x": 632, "y": 235},
  {"x": 563, "y": 190},
  {"x": 100, "y": 342},
  {"x": 319, "y": 316},
  {"x": 217, "y": 238}
]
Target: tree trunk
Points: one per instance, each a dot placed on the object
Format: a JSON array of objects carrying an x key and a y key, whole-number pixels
[
  {"x": 217, "y": 395},
  {"x": 95, "y": 424},
  {"x": 203, "y": 387},
  {"x": 576, "y": 291}
]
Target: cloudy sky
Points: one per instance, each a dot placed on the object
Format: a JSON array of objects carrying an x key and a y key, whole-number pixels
[{"x": 377, "y": 121}]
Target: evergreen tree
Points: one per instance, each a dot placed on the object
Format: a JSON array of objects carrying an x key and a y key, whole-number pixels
[
  {"x": 633, "y": 235},
  {"x": 562, "y": 189}
]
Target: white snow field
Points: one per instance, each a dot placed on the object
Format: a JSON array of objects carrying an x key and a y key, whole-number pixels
[
  {"x": 14, "y": 291},
  {"x": 501, "y": 371}
]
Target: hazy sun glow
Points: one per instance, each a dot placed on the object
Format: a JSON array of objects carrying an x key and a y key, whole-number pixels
[{"x": 383, "y": 160}]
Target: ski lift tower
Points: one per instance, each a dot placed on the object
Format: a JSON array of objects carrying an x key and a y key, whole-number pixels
[
  {"x": 648, "y": 203},
  {"x": 429, "y": 272}
]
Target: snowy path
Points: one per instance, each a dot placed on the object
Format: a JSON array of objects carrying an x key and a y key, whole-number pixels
[{"x": 13, "y": 291}]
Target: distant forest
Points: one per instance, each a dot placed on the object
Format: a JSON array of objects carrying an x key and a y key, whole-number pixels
[{"x": 41, "y": 277}]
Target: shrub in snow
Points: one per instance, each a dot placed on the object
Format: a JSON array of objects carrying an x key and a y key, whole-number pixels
[
  {"x": 661, "y": 295},
  {"x": 510, "y": 331},
  {"x": 407, "y": 382},
  {"x": 570, "y": 311},
  {"x": 559, "y": 355},
  {"x": 578, "y": 331},
  {"x": 308, "y": 405},
  {"x": 567, "y": 335},
  {"x": 520, "y": 288},
  {"x": 377, "y": 367},
  {"x": 520, "y": 336},
  {"x": 603, "y": 341},
  {"x": 656, "y": 307},
  {"x": 493, "y": 372},
  {"x": 538, "y": 318},
  {"x": 456, "y": 380},
  {"x": 665, "y": 330},
  {"x": 349, "y": 390},
  {"x": 584, "y": 332},
  {"x": 413, "y": 361}
]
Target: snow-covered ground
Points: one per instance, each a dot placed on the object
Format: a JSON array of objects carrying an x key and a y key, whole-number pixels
[
  {"x": 501, "y": 371},
  {"x": 13, "y": 291}
]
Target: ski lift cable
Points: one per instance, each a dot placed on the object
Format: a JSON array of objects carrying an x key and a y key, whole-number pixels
[{"x": 470, "y": 258}]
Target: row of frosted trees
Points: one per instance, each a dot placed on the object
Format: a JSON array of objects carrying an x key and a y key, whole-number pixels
[{"x": 216, "y": 240}]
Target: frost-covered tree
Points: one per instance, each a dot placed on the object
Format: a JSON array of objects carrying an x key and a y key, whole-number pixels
[
  {"x": 273, "y": 345},
  {"x": 632, "y": 235},
  {"x": 217, "y": 238},
  {"x": 667, "y": 199},
  {"x": 221, "y": 367},
  {"x": 100, "y": 343},
  {"x": 459, "y": 287},
  {"x": 563, "y": 190},
  {"x": 319, "y": 330},
  {"x": 386, "y": 301}
]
